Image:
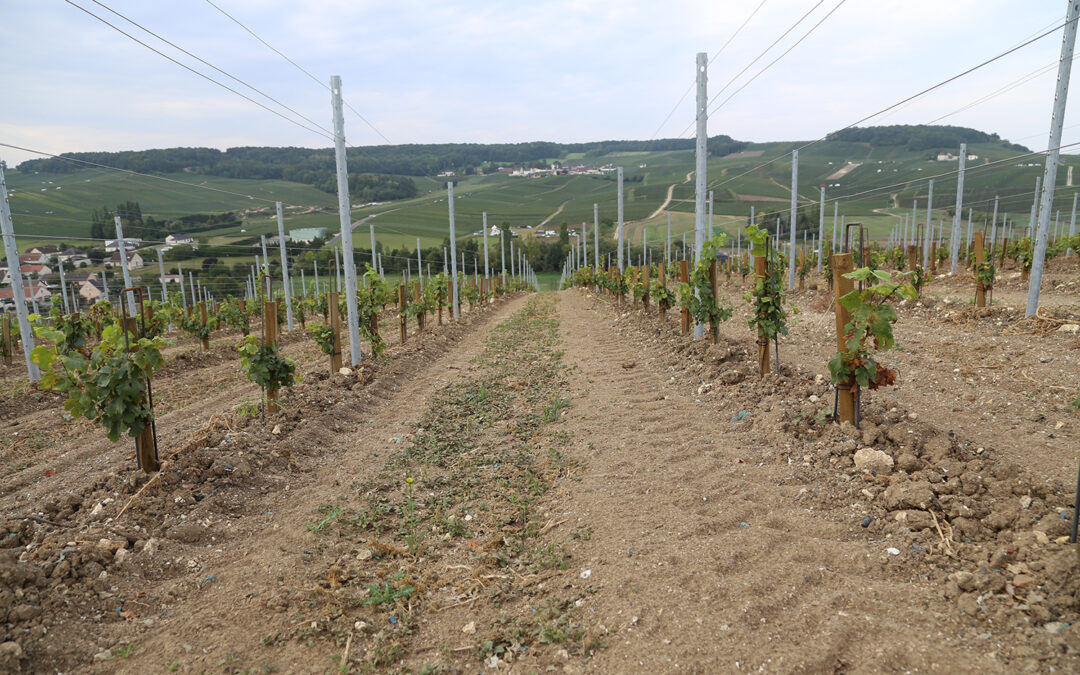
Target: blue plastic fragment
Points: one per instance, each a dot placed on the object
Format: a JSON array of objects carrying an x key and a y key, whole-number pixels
[{"x": 739, "y": 416}]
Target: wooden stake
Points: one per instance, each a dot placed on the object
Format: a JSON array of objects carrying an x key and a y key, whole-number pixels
[
  {"x": 714, "y": 275},
  {"x": 980, "y": 258},
  {"x": 334, "y": 311},
  {"x": 403, "y": 301},
  {"x": 202, "y": 318},
  {"x": 684, "y": 276},
  {"x": 912, "y": 257},
  {"x": 270, "y": 339},
  {"x": 663, "y": 284},
  {"x": 760, "y": 272},
  {"x": 7, "y": 339},
  {"x": 645, "y": 282},
  {"x": 841, "y": 265}
]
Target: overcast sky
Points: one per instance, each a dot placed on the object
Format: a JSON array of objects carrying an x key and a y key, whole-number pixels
[{"x": 507, "y": 71}]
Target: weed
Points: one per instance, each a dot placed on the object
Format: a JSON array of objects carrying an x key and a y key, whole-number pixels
[
  {"x": 551, "y": 556},
  {"x": 331, "y": 513},
  {"x": 384, "y": 593},
  {"x": 551, "y": 410},
  {"x": 174, "y": 666},
  {"x": 122, "y": 652},
  {"x": 412, "y": 537}
]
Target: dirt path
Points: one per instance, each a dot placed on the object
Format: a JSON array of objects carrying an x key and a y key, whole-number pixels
[
  {"x": 557, "y": 211},
  {"x": 216, "y": 613},
  {"x": 709, "y": 561},
  {"x": 667, "y": 200}
]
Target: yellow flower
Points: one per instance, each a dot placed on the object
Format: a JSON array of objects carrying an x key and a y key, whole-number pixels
[{"x": 408, "y": 479}]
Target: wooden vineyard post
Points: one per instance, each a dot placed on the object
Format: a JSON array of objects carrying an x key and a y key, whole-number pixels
[
  {"x": 202, "y": 319},
  {"x": 7, "y": 339},
  {"x": 645, "y": 282},
  {"x": 1004, "y": 247},
  {"x": 270, "y": 339},
  {"x": 841, "y": 265},
  {"x": 684, "y": 276},
  {"x": 403, "y": 299},
  {"x": 980, "y": 258},
  {"x": 933, "y": 258},
  {"x": 334, "y": 310},
  {"x": 912, "y": 257},
  {"x": 146, "y": 441},
  {"x": 449, "y": 300},
  {"x": 243, "y": 305},
  {"x": 422, "y": 316},
  {"x": 761, "y": 268},
  {"x": 714, "y": 279},
  {"x": 798, "y": 265},
  {"x": 662, "y": 280}
]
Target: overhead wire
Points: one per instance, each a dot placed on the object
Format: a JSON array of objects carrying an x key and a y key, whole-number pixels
[
  {"x": 777, "y": 59},
  {"x": 757, "y": 58},
  {"x": 196, "y": 72},
  {"x": 912, "y": 97},
  {"x": 298, "y": 67},
  {"x": 207, "y": 63},
  {"x": 720, "y": 51},
  {"x": 968, "y": 171}
]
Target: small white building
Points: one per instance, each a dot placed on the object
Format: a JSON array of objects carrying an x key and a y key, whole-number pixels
[
  {"x": 180, "y": 240},
  {"x": 112, "y": 245}
]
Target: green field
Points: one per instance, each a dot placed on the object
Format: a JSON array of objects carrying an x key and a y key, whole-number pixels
[{"x": 879, "y": 191}]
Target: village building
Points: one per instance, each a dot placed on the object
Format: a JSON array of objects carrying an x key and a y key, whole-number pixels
[{"x": 134, "y": 260}]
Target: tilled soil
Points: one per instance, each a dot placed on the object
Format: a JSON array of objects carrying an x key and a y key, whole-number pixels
[{"x": 565, "y": 484}]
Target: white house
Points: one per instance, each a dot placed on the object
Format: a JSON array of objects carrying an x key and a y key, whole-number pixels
[
  {"x": 130, "y": 243},
  {"x": 180, "y": 240},
  {"x": 134, "y": 260}
]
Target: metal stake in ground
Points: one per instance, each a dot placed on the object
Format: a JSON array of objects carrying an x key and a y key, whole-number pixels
[
  {"x": 453, "y": 251},
  {"x": 1057, "y": 118},
  {"x": 18, "y": 291},
  {"x": 284, "y": 266}
]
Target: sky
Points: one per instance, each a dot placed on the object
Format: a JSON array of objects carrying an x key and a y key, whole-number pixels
[{"x": 504, "y": 71}]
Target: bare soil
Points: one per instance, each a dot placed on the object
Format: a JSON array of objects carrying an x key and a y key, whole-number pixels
[{"x": 560, "y": 483}]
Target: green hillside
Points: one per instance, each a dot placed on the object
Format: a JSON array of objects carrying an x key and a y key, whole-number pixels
[{"x": 880, "y": 182}]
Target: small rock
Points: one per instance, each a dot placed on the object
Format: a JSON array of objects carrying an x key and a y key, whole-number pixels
[
  {"x": 1068, "y": 328},
  {"x": 276, "y": 430},
  {"x": 1022, "y": 580},
  {"x": 492, "y": 661},
  {"x": 346, "y": 371},
  {"x": 892, "y": 551},
  {"x": 120, "y": 556},
  {"x": 103, "y": 656},
  {"x": 585, "y": 574},
  {"x": 10, "y": 653},
  {"x": 151, "y": 546},
  {"x": 364, "y": 554},
  {"x": 96, "y": 511},
  {"x": 867, "y": 520},
  {"x": 565, "y": 655},
  {"x": 814, "y": 398},
  {"x": 1025, "y": 502},
  {"x": 868, "y": 459},
  {"x": 1055, "y": 627},
  {"x": 1041, "y": 537},
  {"x": 469, "y": 628}
]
